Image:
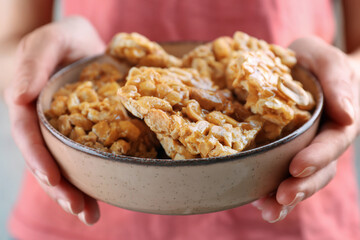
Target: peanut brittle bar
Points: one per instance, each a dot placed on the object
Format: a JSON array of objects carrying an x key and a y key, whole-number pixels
[
  {"x": 269, "y": 89},
  {"x": 138, "y": 50},
  {"x": 90, "y": 112},
  {"x": 189, "y": 121},
  {"x": 212, "y": 59}
]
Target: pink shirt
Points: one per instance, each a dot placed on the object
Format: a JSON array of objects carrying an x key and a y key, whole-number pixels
[{"x": 332, "y": 213}]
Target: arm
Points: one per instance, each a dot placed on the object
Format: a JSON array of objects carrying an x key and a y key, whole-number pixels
[{"x": 18, "y": 18}]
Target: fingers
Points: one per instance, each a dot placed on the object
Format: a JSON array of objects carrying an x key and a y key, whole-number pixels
[
  {"x": 327, "y": 146},
  {"x": 35, "y": 63},
  {"x": 91, "y": 212},
  {"x": 72, "y": 201},
  {"x": 272, "y": 211},
  {"x": 315, "y": 166},
  {"x": 294, "y": 190},
  {"x": 38, "y": 55},
  {"x": 26, "y": 133},
  {"x": 335, "y": 74},
  {"x": 82, "y": 39},
  {"x": 42, "y": 50},
  {"x": 291, "y": 192},
  {"x": 67, "y": 196}
]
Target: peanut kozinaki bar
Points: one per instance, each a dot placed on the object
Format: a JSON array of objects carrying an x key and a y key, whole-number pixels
[
  {"x": 259, "y": 74},
  {"x": 189, "y": 121},
  {"x": 269, "y": 91},
  {"x": 90, "y": 112},
  {"x": 138, "y": 50},
  {"x": 212, "y": 59}
]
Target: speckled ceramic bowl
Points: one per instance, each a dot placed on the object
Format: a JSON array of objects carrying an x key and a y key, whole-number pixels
[{"x": 164, "y": 186}]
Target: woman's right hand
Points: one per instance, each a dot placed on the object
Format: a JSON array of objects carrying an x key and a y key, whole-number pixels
[{"x": 38, "y": 54}]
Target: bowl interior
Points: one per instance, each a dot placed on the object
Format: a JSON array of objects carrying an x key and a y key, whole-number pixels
[{"x": 72, "y": 72}]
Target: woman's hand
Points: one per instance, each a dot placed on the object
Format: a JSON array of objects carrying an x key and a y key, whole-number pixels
[
  {"x": 315, "y": 166},
  {"x": 39, "y": 53}
]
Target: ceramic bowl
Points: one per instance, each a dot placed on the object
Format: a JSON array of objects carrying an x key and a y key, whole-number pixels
[{"x": 165, "y": 186}]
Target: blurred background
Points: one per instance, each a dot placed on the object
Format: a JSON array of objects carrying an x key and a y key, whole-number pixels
[{"x": 12, "y": 165}]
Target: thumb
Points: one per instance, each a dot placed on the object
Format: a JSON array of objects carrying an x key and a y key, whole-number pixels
[
  {"x": 41, "y": 51},
  {"x": 335, "y": 74}
]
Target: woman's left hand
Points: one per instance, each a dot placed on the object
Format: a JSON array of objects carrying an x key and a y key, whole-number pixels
[{"x": 315, "y": 166}]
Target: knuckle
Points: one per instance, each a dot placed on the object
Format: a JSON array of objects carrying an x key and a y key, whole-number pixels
[
  {"x": 349, "y": 136},
  {"x": 323, "y": 157},
  {"x": 79, "y": 19},
  {"x": 22, "y": 44},
  {"x": 50, "y": 33},
  {"x": 77, "y": 22},
  {"x": 307, "y": 40},
  {"x": 335, "y": 58},
  {"x": 336, "y": 146},
  {"x": 311, "y": 39},
  {"x": 29, "y": 67},
  {"x": 29, "y": 63},
  {"x": 332, "y": 170},
  {"x": 311, "y": 189},
  {"x": 337, "y": 71}
]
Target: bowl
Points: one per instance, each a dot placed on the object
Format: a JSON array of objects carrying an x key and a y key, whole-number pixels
[{"x": 165, "y": 186}]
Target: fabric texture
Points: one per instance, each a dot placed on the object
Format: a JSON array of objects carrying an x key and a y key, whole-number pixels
[
  {"x": 332, "y": 213},
  {"x": 276, "y": 21}
]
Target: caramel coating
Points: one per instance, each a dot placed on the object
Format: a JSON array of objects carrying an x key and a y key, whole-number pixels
[
  {"x": 270, "y": 91},
  {"x": 90, "y": 112},
  {"x": 212, "y": 59},
  {"x": 138, "y": 50},
  {"x": 184, "y": 127},
  {"x": 223, "y": 97}
]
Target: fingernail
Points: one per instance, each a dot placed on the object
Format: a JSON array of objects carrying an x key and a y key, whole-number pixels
[
  {"x": 42, "y": 177},
  {"x": 306, "y": 172},
  {"x": 298, "y": 198},
  {"x": 66, "y": 206},
  {"x": 21, "y": 88},
  {"x": 257, "y": 204},
  {"x": 348, "y": 108},
  {"x": 82, "y": 218},
  {"x": 281, "y": 216}
]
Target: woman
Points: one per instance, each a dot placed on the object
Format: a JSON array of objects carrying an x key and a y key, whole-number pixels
[{"x": 307, "y": 25}]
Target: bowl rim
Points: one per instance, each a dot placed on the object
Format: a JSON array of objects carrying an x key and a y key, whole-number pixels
[{"x": 169, "y": 162}]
